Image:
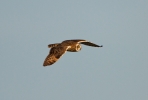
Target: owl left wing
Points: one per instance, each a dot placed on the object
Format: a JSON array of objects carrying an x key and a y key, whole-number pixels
[{"x": 54, "y": 54}]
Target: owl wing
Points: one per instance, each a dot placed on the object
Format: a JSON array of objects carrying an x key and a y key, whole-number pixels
[
  {"x": 54, "y": 54},
  {"x": 73, "y": 40},
  {"x": 89, "y": 44},
  {"x": 81, "y": 41},
  {"x": 85, "y": 42}
]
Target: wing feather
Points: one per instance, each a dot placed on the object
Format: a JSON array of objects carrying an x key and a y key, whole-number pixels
[
  {"x": 54, "y": 54},
  {"x": 90, "y": 44}
]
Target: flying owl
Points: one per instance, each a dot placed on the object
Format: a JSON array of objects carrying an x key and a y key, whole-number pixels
[{"x": 58, "y": 49}]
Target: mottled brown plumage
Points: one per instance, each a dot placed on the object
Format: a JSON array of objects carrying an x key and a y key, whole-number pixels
[
  {"x": 54, "y": 54},
  {"x": 58, "y": 49}
]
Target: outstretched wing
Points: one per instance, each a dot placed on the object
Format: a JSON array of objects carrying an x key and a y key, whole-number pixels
[
  {"x": 90, "y": 44},
  {"x": 54, "y": 54},
  {"x": 81, "y": 41},
  {"x": 74, "y": 40}
]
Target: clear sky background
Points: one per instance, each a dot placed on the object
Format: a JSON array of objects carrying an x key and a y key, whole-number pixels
[{"x": 118, "y": 71}]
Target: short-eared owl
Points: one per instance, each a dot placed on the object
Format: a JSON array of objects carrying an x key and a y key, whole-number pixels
[{"x": 58, "y": 49}]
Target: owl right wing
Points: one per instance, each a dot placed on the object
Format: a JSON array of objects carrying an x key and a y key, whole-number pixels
[
  {"x": 90, "y": 44},
  {"x": 54, "y": 54},
  {"x": 81, "y": 41}
]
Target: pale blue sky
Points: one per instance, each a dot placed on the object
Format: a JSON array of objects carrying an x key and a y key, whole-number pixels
[{"x": 118, "y": 71}]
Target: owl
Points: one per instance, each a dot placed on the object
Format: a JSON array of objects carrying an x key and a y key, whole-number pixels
[{"x": 58, "y": 49}]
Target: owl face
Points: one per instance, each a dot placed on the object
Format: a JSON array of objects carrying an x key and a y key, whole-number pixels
[{"x": 78, "y": 47}]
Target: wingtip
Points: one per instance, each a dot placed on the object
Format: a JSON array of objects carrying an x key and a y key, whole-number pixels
[
  {"x": 100, "y": 46},
  {"x": 44, "y": 64},
  {"x": 47, "y": 64}
]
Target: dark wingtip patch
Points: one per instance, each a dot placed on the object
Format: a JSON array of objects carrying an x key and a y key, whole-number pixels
[
  {"x": 48, "y": 64},
  {"x": 44, "y": 65}
]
